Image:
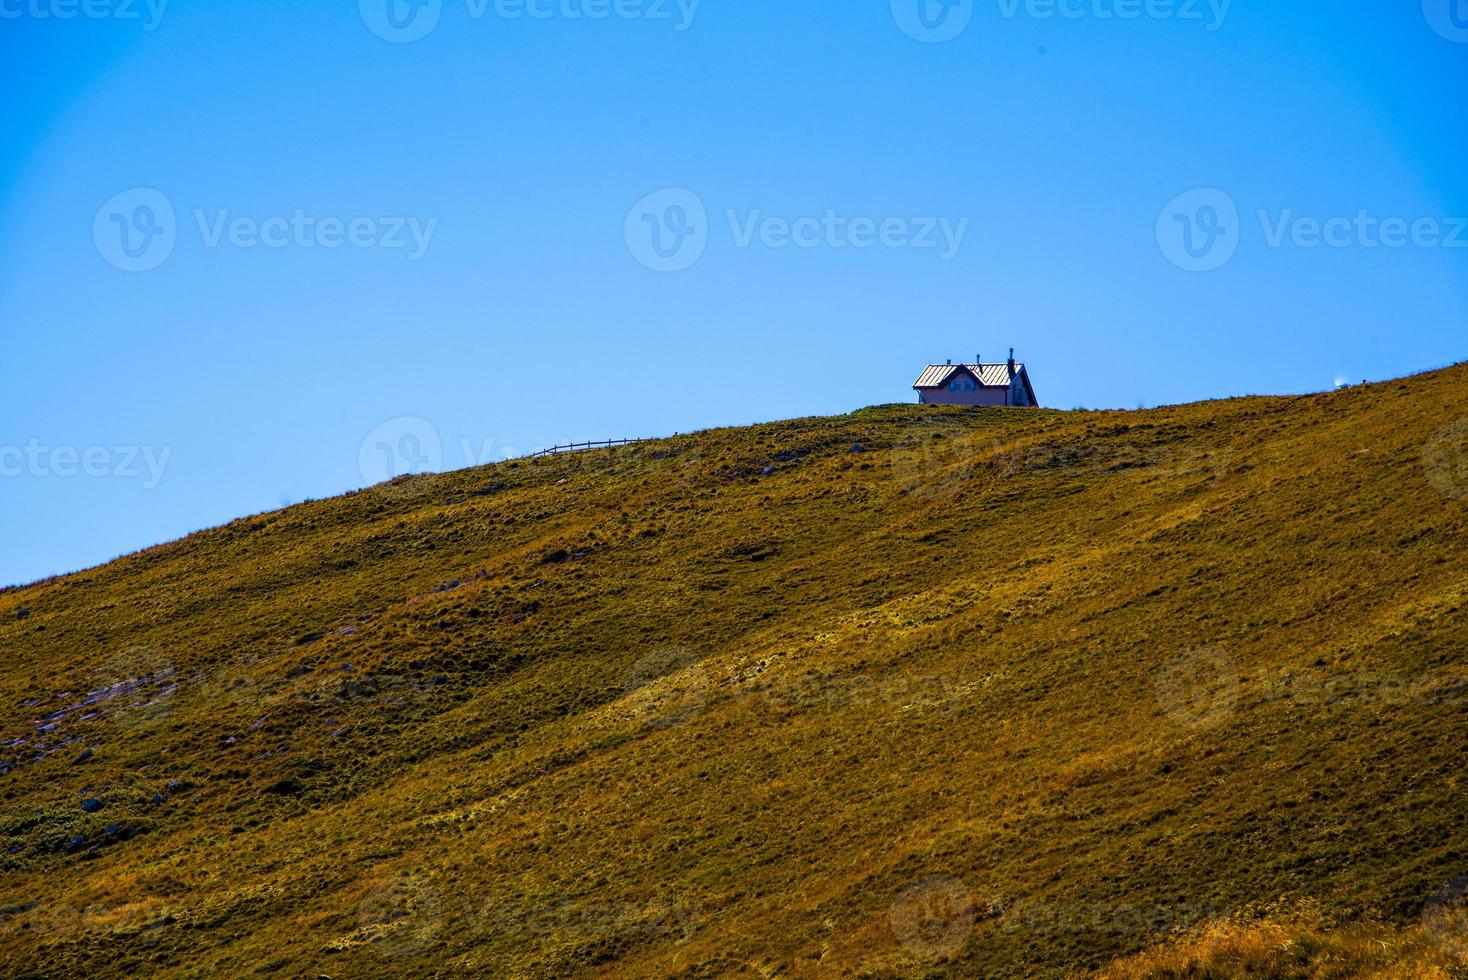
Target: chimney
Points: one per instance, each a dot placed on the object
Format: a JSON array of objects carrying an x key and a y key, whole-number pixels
[
  {"x": 950, "y": 360},
  {"x": 978, "y": 358},
  {"x": 1011, "y": 362}
]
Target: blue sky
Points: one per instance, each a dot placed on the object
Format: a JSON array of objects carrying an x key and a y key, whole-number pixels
[{"x": 494, "y": 226}]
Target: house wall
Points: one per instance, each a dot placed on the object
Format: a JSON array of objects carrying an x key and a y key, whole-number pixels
[{"x": 979, "y": 396}]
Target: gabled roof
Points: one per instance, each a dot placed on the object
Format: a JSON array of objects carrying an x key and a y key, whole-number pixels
[{"x": 988, "y": 375}]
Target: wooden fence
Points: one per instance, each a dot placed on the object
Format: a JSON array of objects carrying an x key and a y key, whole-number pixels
[{"x": 577, "y": 447}]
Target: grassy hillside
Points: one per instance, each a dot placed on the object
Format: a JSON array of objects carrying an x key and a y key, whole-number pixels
[{"x": 910, "y": 692}]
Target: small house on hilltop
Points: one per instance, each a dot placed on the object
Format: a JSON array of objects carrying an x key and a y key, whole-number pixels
[{"x": 977, "y": 384}]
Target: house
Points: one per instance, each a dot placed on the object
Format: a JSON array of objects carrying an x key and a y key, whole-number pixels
[{"x": 977, "y": 384}]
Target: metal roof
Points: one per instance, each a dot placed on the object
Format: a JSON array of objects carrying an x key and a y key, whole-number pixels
[{"x": 989, "y": 375}]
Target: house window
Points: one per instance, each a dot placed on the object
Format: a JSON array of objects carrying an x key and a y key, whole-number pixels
[{"x": 955, "y": 385}]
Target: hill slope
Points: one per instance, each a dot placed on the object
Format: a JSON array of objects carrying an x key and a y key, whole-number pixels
[{"x": 910, "y": 691}]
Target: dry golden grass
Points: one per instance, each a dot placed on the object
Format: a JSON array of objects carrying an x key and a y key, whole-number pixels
[
  {"x": 1299, "y": 948},
  {"x": 1002, "y": 693}
]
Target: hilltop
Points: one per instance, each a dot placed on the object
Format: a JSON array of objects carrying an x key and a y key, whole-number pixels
[{"x": 912, "y": 691}]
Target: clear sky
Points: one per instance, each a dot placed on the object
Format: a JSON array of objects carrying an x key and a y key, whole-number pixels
[{"x": 254, "y": 252}]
